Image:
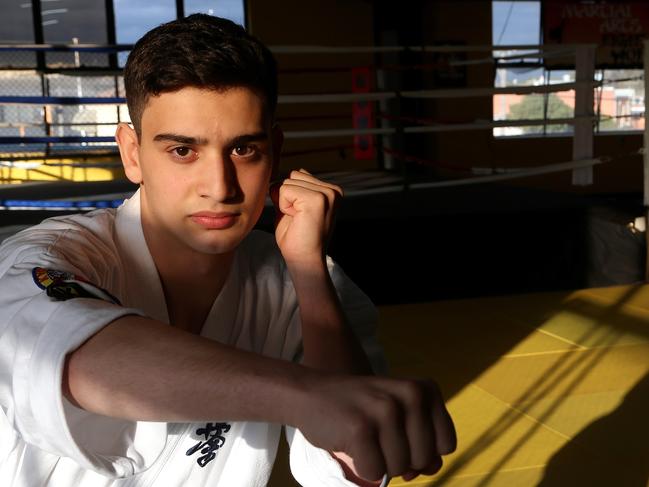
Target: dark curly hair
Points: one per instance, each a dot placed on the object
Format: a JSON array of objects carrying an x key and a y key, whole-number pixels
[{"x": 200, "y": 51}]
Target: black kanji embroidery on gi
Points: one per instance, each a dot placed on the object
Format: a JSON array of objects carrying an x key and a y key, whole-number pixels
[{"x": 214, "y": 439}]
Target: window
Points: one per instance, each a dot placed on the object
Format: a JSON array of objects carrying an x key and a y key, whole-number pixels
[
  {"x": 17, "y": 26},
  {"x": 133, "y": 18},
  {"x": 619, "y": 102},
  {"x": 519, "y": 23},
  {"x": 74, "y": 22}
]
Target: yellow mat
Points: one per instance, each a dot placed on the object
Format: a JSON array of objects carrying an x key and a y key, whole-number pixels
[{"x": 547, "y": 390}]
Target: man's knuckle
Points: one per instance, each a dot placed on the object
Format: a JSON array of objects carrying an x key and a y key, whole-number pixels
[
  {"x": 361, "y": 428},
  {"x": 388, "y": 410},
  {"x": 413, "y": 394}
]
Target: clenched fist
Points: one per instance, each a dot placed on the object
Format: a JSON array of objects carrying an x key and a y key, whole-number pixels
[
  {"x": 305, "y": 209},
  {"x": 377, "y": 425}
]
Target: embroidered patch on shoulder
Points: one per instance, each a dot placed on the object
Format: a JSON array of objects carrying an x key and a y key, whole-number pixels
[
  {"x": 62, "y": 286},
  {"x": 44, "y": 278}
]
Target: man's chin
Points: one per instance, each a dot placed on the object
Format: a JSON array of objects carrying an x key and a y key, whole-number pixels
[{"x": 212, "y": 247}]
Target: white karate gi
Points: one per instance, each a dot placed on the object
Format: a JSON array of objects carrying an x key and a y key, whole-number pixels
[{"x": 46, "y": 441}]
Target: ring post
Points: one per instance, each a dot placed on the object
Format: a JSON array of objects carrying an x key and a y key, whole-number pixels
[{"x": 582, "y": 143}]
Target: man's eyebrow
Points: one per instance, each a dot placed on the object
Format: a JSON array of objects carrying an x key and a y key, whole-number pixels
[
  {"x": 181, "y": 139},
  {"x": 188, "y": 140},
  {"x": 247, "y": 138}
]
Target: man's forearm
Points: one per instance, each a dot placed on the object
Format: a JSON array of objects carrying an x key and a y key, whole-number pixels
[
  {"x": 139, "y": 369},
  {"x": 328, "y": 340}
]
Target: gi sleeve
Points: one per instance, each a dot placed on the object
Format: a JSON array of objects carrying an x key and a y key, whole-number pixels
[
  {"x": 46, "y": 312},
  {"x": 312, "y": 466}
]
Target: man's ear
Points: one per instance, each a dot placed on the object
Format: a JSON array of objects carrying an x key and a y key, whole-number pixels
[
  {"x": 278, "y": 141},
  {"x": 129, "y": 151}
]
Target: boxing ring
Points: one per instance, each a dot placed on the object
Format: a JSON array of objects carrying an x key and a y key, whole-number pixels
[{"x": 547, "y": 389}]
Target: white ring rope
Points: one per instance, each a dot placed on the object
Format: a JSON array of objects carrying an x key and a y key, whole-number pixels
[
  {"x": 428, "y": 94},
  {"x": 478, "y": 125},
  {"x": 515, "y": 174},
  {"x": 502, "y": 60},
  {"x": 548, "y": 169}
]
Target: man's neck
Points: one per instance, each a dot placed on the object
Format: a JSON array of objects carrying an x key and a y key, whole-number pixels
[
  {"x": 191, "y": 280},
  {"x": 190, "y": 295}
]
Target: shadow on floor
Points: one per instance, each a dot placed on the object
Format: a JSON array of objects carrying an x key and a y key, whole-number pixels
[{"x": 617, "y": 447}]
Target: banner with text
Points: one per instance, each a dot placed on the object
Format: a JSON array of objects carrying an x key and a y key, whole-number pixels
[{"x": 617, "y": 28}]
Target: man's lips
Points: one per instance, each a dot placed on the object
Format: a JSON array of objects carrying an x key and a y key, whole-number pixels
[{"x": 214, "y": 220}]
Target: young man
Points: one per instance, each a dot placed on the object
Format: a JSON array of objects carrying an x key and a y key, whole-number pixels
[{"x": 97, "y": 389}]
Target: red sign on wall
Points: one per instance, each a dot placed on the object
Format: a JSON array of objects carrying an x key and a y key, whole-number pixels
[
  {"x": 363, "y": 114},
  {"x": 617, "y": 27}
]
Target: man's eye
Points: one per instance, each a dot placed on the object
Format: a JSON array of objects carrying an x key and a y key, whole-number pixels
[
  {"x": 182, "y": 152},
  {"x": 243, "y": 150}
]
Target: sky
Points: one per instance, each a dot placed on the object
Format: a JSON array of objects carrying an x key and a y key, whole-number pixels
[
  {"x": 523, "y": 26},
  {"x": 135, "y": 17}
]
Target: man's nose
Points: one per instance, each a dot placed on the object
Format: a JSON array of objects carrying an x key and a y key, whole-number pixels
[{"x": 218, "y": 179}]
